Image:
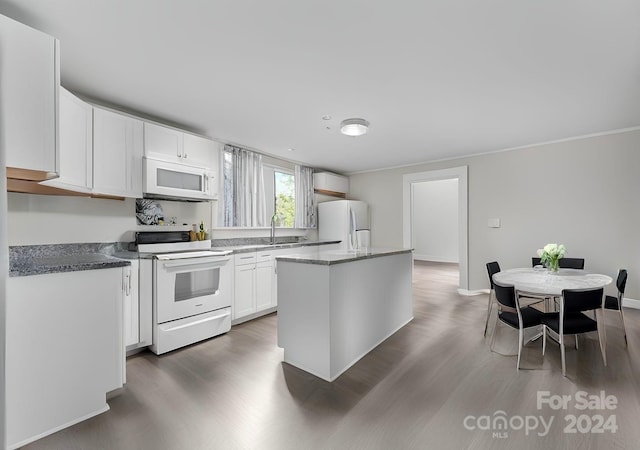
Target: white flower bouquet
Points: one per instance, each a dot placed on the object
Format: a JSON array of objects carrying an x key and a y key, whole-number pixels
[{"x": 550, "y": 255}]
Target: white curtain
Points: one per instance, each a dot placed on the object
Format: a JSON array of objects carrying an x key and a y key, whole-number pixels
[
  {"x": 305, "y": 198},
  {"x": 243, "y": 188}
]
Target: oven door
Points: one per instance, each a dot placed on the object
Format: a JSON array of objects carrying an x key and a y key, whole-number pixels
[{"x": 190, "y": 283}]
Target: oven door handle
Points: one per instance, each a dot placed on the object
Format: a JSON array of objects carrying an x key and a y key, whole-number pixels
[{"x": 196, "y": 263}]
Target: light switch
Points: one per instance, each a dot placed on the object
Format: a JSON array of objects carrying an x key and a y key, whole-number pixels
[{"x": 494, "y": 223}]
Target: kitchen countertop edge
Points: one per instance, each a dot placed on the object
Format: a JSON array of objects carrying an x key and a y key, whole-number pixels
[
  {"x": 259, "y": 247},
  {"x": 331, "y": 258}
]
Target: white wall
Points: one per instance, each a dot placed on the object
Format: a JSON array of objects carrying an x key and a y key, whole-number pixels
[
  {"x": 581, "y": 193},
  {"x": 435, "y": 220},
  {"x": 47, "y": 219}
]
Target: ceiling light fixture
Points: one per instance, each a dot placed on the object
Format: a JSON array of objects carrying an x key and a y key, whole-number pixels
[{"x": 354, "y": 127}]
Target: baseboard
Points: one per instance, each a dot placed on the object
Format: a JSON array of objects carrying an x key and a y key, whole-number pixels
[
  {"x": 434, "y": 258},
  {"x": 631, "y": 303},
  {"x": 17, "y": 445},
  {"x": 254, "y": 315},
  {"x": 469, "y": 293}
]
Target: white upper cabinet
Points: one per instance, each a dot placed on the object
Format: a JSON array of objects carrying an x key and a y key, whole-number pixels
[
  {"x": 199, "y": 151},
  {"x": 76, "y": 144},
  {"x": 117, "y": 154},
  {"x": 169, "y": 144},
  {"x": 30, "y": 76},
  {"x": 162, "y": 143}
]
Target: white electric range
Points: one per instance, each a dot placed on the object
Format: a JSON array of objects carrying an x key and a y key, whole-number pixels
[{"x": 192, "y": 288}]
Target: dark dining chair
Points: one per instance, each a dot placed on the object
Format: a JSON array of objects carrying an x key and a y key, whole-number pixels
[
  {"x": 563, "y": 263},
  {"x": 510, "y": 313},
  {"x": 571, "y": 319},
  {"x": 615, "y": 303},
  {"x": 492, "y": 268}
]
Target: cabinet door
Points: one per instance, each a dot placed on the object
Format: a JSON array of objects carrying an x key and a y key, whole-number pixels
[
  {"x": 244, "y": 297},
  {"x": 131, "y": 305},
  {"x": 198, "y": 151},
  {"x": 162, "y": 143},
  {"x": 264, "y": 285},
  {"x": 64, "y": 349},
  {"x": 76, "y": 144},
  {"x": 30, "y": 77},
  {"x": 117, "y": 154}
]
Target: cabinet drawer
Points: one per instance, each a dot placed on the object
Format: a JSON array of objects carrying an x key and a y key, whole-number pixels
[
  {"x": 245, "y": 258},
  {"x": 265, "y": 256}
]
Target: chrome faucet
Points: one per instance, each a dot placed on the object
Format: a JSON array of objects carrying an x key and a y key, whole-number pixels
[{"x": 273, "y": 230}]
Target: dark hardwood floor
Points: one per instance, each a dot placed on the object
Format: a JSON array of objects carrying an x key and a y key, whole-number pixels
[{"x": 413, "y": 391}]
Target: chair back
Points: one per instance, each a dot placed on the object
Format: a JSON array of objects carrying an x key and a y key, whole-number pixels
[
  {"x": 621, "y": 282},
  {"x": 506, "y": 296},
  {"x": 536, "y": 261},
  {"x": 571, "y": 263},
  {"x": 492, "y": 268},
  {"x": 577, "y": 300}
]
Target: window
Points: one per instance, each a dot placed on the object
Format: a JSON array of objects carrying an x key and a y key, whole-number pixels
[
  {"x": 253, "y": 192},
  {"x": 285, "y": 192},
  {"x": 280, "y": 188}
]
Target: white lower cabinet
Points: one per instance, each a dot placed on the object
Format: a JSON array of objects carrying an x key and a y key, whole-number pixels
[
  {"x": 244, "y": 302},
  {"x": 64, "y": 350},
  {"x": 253, "y": 284},
  {"x": 131, "y": 321},
  {"x": 264, "y": 284}
]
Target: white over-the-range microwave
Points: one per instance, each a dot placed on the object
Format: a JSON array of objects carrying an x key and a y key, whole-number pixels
[{"x": 169, "y": 180}]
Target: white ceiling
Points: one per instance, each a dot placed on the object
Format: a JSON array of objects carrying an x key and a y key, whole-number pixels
[{"x": 436, "y": 78}]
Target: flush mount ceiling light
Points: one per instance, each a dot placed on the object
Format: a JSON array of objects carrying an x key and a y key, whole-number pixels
[{"x": 354, "y": 127}]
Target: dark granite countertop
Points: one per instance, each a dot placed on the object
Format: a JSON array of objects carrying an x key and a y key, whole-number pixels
[
  {"x": 28, "y": 260},
  {"x": 331, "y": 257}
]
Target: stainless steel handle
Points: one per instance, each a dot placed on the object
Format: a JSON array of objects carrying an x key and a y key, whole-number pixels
[{"x": 127, "y": 284}]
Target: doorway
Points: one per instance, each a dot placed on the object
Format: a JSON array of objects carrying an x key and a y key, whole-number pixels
[{"x": 414, "y": 185}]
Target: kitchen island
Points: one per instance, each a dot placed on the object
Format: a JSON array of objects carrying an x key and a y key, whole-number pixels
[{"x": 334, "y": 307}]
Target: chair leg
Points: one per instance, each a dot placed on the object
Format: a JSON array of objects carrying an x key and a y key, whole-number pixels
[
  {"x": 564, "y": 368},
  {"x": 486, "y": 324},
  {"x": 602, "y": 337},
  {"x": 493, "y": 335},
  {"x": 520, "y": 341},
  {"x": 624, "y": 330},
  {"x": 576, "y": 336},
  {"x": 544, "y": 339}
]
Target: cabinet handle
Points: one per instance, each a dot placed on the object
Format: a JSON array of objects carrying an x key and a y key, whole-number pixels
[
  {"x": 127, "y": 284},
  {"x": 184, "y": 155}
]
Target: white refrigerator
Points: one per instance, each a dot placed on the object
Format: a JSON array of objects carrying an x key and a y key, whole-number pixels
[{"x": 347, "y": 221}]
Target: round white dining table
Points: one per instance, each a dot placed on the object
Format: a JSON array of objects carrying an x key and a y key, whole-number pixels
[{"x": 541, "y": 281}]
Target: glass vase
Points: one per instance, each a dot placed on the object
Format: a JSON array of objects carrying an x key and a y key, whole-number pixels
[{"x": 553, "y": 265}]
